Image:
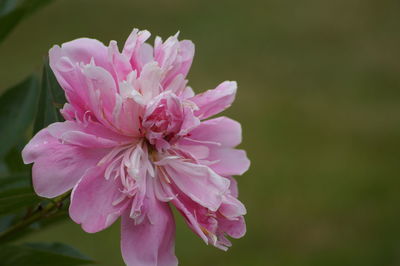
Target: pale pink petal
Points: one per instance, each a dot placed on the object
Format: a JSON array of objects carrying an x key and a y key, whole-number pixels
[
  {"x": 88, "y": 127},
  {"x": 166, "y": 118},
  {"x": 215, "y": 101},
  {"x": 165, "y": 53},
  {"x": 150, "y": 81},
  {"x": 188, "y": 211},
  {"x": 83, "y": 51},
  {"x": 178, "y": 86},
  {"x": 185, "y": 57},
  {"x": 70, "y": 77},
  {"x": 127, "y": 118},
  {"x": 66, "y": 62},
  {"x": 189, "y": 120},
  {"x": 198, "y": 182},
  {"x": 222, "y": 130},
  {"x": 175, "y": 57},
  {"x": 95, "y": 201},
  {"x": 89, "y": 135},
  {"x": 228, "y": 161},
  {"x": 68, "y": 112},
  {"x": 101, "y": 92},
  {"x": 120, "y": 63},
  {"x": 233, "y": 188},
  {"x": 57, "y": 166},
  {"x": 234, "y": 228},
  {"x": 187, "y": 93},
  {"x": 212, "y": 226},
  {"x": 232, "y": 207},
  {"x": 150, "y": 243},
  {"x": 133, "y": 49},
  {"x": 195, "y": 149},
  {"x": 224, "y": 161},
  {"x": 146, "y": 53}
]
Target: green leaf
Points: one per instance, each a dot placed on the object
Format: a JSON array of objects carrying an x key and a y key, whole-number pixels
[
  {"x": 16, "y": 193},
  {"x": 17, "y": 110},
  {"x": 51, "y": 99},
  {"x": 15, "y": 199},
  {"x": 43, "y": 254},
  {"x": 12, "y": 181},
  {"x": 12, "y": 12},
  {"x": 13, "y": 159},
  {"x": 3, "y": 168},
  {"x": 10, "y": 220},
  {"x": 6, "y": 221}
]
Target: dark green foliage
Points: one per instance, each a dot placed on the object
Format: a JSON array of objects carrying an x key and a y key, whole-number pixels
[
  {"x": 17, "y": 110},
  {"x": 43, "y": 254},
  {"x": 16, "y": 193},
  {"x": 52, "y": 98},
  {"x": 13, "y": 11}
]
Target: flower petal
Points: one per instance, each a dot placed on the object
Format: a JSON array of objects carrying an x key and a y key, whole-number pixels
[
  {"x": 214, "y": 101},
  {"x": 222, "y": 130},
  {"x": 90, "y": 135},
  {"x": 66, "y": 62},
  {"x": 57, "y": 166},
  {"x": 232, "y": 208},
  {"x": 234, "y": 228},
  {"x": 198, "y": 182},
  {"x": 93, "y": 201},
  {"x": 174, "y": 57},
  {"x": 136, "y": 51},
  {"x": 82, "y": 50},
  {"x": 101, "y": 93},
  {"x": 228, "y": 161},
  {"x": 150, "y": 243}
]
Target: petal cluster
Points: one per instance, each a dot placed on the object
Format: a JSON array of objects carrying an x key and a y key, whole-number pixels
[{"x": 137, "y": 140}]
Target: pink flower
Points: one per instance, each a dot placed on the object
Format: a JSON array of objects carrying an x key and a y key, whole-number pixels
[{"x": 135, "y": 140}]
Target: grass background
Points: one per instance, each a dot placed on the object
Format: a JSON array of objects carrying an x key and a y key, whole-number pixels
[{"x": 319, "y": 102}]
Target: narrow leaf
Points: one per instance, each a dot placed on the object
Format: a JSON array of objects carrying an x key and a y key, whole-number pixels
[
  {"x": 10, "y": 220},
  {"x": 51, "y": 99},
  {"x": 16, "y": 193},
  {"x": 15, "y": 199},
  {"x": 17, "y": 110},
  {"x": 43, "y": 254}
]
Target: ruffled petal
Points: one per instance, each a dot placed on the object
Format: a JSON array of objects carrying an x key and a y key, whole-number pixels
[
  {"x": 89, "y": 135},
  {"x": 67, "y": 61},
  {"x": 96, "y": 202},
  {"x": 233, "y": 188},
  {"x": 91, "y": 82},
  {"x": 101, "y": 92},
  {"x": 232, "y": 208},
  {"x": 136, "y": 50},
  {"x": 198, "y": 182},
  {"x": 214, "y": 101},
  {"x": 221, "y": 130},
  {"x": 228, "y": 161},
  {"x": 234, "y": 228},
  {"x": 152, "y": 242},
  {"x": 82, "y": 50},
  {"x": 174, "y": 57},
  {"x": 209, "y": 225},
  {"x": 57, "y": 166}
]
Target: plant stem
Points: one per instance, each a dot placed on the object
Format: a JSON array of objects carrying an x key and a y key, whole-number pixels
[{"x": 35, "y": 216}]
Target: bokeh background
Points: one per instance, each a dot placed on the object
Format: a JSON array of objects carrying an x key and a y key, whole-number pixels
[{"x": 319, "y": 102}]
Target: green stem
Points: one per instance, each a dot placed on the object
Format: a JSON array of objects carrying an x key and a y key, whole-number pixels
[{"x": 35, "y": 216}]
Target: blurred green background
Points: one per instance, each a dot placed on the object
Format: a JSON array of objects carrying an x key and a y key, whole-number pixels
[{"x": 319, "y": 102}]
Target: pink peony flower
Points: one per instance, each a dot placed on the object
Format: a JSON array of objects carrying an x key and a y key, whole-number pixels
[{"x": 135, "y": 139}]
